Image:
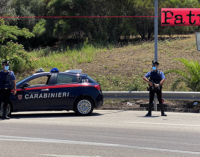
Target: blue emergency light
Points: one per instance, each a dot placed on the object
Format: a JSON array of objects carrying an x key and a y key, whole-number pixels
[{"x": 54, "y": 70}]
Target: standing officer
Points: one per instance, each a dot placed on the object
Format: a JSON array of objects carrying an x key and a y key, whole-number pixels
[
  {"x": 155, "y": 82},
  {"x": 7, "y": 80}
]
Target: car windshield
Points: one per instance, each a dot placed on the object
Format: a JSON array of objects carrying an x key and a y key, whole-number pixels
[{"x": 19, "y": 82}]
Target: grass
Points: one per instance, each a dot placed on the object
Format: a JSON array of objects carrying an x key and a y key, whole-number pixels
[
  {"x": 65, "y": 59},
  {"x": 119, "y": 68},
  {"x": 116, "y": 66},
  {"x": 118, "y": 82}
]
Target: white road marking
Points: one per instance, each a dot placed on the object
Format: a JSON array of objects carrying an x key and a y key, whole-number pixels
[
  {"x": 30, "y": 139},
  {"x": 163, "y": 124},
  {"x": 47, "y": 118},
  {"x": 66, "y": 155}
]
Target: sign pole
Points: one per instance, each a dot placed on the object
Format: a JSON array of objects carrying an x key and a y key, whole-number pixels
[
  {"x": 155, "y": 39},
  {"x": 198, "y": 40},
  {"x": 156, "y": 30}
]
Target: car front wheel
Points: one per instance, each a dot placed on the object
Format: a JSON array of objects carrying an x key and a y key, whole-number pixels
[
  {"x": 84, "y": 106},
  {"x": 8, "y": 112}
]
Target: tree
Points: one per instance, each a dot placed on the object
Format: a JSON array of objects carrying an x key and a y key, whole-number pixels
[
  {"x": 190, "y": 75},
  {"x": 27, "y": 8},
  {"x": 144, "y": 26},
  {"x": 13, "y": 51},
  {"x": 101, "y": 29},
  {"x": 4, "y": 6}
]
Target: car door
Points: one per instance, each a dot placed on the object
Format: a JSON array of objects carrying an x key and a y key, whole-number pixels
[
  {"x": 35, "y": 97},
  {"x": 64, "y": 91}
]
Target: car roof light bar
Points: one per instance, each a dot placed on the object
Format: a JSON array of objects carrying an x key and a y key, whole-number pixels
[{"x": 54, "y": 70}]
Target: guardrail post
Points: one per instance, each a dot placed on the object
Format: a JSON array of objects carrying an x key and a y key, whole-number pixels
[{"x": 155, "y": 104}]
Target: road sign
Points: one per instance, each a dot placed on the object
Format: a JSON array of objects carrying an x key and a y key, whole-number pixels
[{"x": 198, "y": 40}]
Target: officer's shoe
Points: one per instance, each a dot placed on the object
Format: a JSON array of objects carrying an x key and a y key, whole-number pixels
[
  {"x": 163, "y": 114},
  {"x": 148, "y": 114},
  {"x": 6, "y": 117}
]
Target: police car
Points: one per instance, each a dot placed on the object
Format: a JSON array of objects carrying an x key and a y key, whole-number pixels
[{"x": 54, "y": 90}]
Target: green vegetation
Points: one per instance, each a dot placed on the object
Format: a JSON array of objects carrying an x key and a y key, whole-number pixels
[
  {"x": 120, "y": 83},
  {"x": 117, "y": 52},
  {"x": 62, "y": 58},
  {"x": 190, "y": 75},
  {"x": 13, "y": 51},
  {"x": 119, "y": 69},
  {"x": 114, "y": 70},
  {"x": 98, "y": 30}
]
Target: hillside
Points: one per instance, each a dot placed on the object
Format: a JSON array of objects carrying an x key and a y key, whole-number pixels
[{"x": 121, "y": 68}]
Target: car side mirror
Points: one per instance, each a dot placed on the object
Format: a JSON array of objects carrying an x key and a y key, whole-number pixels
[
  {"x": 25, "y": 85},
  {"x": 79, "y": 79}
]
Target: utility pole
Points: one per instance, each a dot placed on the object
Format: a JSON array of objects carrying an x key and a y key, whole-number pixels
[
  {"x": 155, "y": 39},
  {"x": 156, "y": 30}
]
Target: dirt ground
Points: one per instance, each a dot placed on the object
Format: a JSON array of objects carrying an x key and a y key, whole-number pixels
[{"x": 170, "y": 106}]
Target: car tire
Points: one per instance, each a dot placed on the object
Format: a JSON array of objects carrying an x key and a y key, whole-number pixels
[
  {"x": 84, "y": 106},
  {"x": 9, "y": 110}
]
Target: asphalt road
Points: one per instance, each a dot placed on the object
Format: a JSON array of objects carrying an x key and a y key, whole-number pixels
[{"x": 103, "y": 134}]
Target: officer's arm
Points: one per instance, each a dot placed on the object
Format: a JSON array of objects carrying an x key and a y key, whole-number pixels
[
  {"x": 145, "y": 77},
  {"x": 163, "y": 78},
  {"x": 146, "y": 80},
  {"x": 14, "y": 84},
  {"x": 162, "y": 81}
]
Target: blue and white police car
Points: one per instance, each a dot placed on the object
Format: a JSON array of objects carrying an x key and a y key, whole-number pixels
[{"x": 54, "y": 90}]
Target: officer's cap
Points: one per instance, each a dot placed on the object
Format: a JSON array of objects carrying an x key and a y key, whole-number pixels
[
  {"x": 155, "y": 62},
  {"x": 6, "y": 62}
]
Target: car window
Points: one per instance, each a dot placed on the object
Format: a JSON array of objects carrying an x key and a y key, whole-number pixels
[
  {"x": 91, "y": 79},
  {"x": 43, "y": 80},
  {"x": 61, "y": 78},
  {"x": 19, "y": 82}
]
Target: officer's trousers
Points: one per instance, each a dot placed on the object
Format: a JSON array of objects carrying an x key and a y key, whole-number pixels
[
  {"x": 152, "y": 94},
  {"x": 5, "y": 98}
]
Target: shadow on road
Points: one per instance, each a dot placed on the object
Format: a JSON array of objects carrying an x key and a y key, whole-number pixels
[
  {"x": 148, "y": 116},
  {"x": 49, "y": 115},
  {"x": 114, "y": 112}
]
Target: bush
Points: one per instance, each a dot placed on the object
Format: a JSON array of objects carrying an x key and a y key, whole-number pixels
[
  {"x": 190, "y": 75},
  {"x": 18, "y": 57}
]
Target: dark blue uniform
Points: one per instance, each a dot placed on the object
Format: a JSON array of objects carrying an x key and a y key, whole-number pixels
[
  {"x": 6, "y": 83},
  {"x": 155, "y": 77}
]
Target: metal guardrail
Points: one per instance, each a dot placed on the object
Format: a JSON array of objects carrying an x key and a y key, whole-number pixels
[{"x": 145, "y": 95}]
